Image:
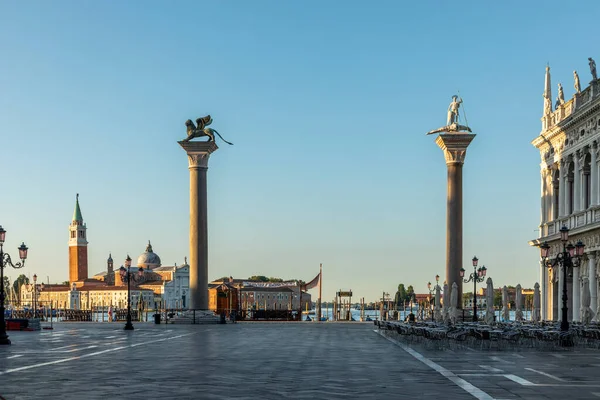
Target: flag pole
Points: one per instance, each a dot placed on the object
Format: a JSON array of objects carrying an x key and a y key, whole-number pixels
[{"x": 320, "y": 290}]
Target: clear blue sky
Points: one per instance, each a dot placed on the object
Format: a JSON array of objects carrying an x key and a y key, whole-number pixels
[{"x": 327, "y": 104}]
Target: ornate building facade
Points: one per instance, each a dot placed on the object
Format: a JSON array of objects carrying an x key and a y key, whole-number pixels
[
  {"x": 167, "y": 286},
  {"x": 570, "y": 190}
]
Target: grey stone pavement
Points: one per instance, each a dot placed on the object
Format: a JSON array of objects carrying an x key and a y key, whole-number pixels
[{"x": 275, "y": 361}]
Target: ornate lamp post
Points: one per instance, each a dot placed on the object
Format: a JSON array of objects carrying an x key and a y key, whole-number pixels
[
  {"x": 129, "y": 276},
  {"x": 5, "y": 261},
  {"x": 478, "y": 275},
  {"x": 569, "y": 257},
  {"x": 34, "y": 296},
  {"x": 430, "y": 297}
]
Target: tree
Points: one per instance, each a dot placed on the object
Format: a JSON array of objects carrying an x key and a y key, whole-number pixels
[
  {"x": 401, "y": 295},
  {"x": 17, "y": 285},
  {"x": 258, "y": 278},
  {"x": 498, "y": 298}
]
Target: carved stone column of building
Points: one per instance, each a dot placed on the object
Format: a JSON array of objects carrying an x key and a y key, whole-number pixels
[
  {"x": 569, "y": 196},
  {"x": 592, "y": 280},
  {"x": 454, "y": 146},
  {"x": 577, "y": 186},
  {"x": 594, "y": 174},
  {"x": 560, "y": 292},
  {"x": 576, "y": 300},
  {"x": 543, "y": 289},
  {"x": 551, "y": 316},
  {"x": 543, "y": 200},
  {"x": 561, "y": 189},
  {"x": 198, "y": 154}
]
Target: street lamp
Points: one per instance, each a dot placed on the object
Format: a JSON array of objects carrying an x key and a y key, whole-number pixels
[
  {"x": 478, "y": 275},
  {"x": 4, "y": 261},
  {"x": 430, "y": 297},
  {"x": 129, "y": 276},
  {"x": 34, "y": 296},
  {"x": 569, "y": 257}
]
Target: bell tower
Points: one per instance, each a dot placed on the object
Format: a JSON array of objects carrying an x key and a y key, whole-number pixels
[{"x": 78, "y": 257}]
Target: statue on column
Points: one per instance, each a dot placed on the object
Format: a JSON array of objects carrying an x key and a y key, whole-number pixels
[
  {"x": 592, "y": 64},
  {"x": 452, "y": 124},
  {"x": 453, "y": 110},
  {"x": 202, "y": 130},
  {"x": 577, "y": 85}
]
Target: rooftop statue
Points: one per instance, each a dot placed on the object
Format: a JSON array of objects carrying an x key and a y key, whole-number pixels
[
  {"x": 452, "y": 124},
  {"x": 202, "y": 130},
  {"x": 593, "y": 68},
  {"x": 577, "y": 84},
  {"x": 560, "y": 100}
]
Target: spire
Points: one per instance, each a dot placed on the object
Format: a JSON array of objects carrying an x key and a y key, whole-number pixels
[
  {"x": 149, "y": 248},
  {"x": 77, "y": 213},
  {"x": 547, "y": 89},
  {"x": 547, "y": 92}
]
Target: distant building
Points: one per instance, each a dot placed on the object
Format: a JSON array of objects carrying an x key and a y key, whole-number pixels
[
  {"x": 167, "y": 285},
  {"x": 259, "y": 295}
]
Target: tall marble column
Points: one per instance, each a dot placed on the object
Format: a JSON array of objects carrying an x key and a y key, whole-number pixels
[
  {"x": 593, "y": 175},
  {"x": 577, "y": 186},
  {"x": 543, "y": 289},
  {"x": 454, "y": 145},
  {"x": 592, "y": 280},
  {"x": 543, "y": 201},
  {"x": 576, "y": 304},
  {"x": 198, "y": 154},
  {"x": 560, "y": 291},
  {"x": 561, "y": 189}
]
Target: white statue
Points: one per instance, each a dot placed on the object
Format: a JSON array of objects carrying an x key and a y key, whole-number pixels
[
  {"x": 577, "y": 84},
  {"x": 547, "y": 105},
  {"x": 453, "y": 110},
  {"x": 561, "y": 94},
  {"x": 452, "y": 124}
]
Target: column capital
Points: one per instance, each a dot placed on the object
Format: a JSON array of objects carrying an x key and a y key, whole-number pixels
[
  {"x": 198, "y": 153},
  {"x": 454, "y": 146},
  {"x": 591, "y": 255}
]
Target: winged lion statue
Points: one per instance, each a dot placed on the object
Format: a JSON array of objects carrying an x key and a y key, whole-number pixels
[{"x": 201, "y": 130}]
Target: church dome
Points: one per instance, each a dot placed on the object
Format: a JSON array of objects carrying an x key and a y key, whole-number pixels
[{"x": 148, "y": 259}]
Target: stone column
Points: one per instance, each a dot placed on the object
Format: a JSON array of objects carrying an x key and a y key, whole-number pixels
[
  {"x": 561, "y": 189},
  {"x": 577, "y": 186},
  {"x": 560, "y": 291},
  {"x": 198, "y": 154},
  {"x": 543, "y": 201},
  {"x": 454, "y": 146},
  {"x": 592, "y": 280},
  {"x": 543, "y": 289},
  {"x": 550, "y": 298},
  {"x": 593, "y": 175},
  {"x": 576, "y": 295}
]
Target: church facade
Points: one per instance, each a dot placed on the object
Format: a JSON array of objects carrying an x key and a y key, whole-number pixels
[
  {"x": 166, "y": 286},
  {"x": 570, "y": 191}
]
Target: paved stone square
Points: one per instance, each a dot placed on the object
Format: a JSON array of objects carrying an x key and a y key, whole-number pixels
[{"x": 274, "y": 361}]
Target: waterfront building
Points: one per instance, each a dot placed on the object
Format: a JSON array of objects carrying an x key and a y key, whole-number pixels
[
  {"x": 250, "y": 295},
  {"x": 165, "y": 285},
  {"x": 570, "y": 191}
]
